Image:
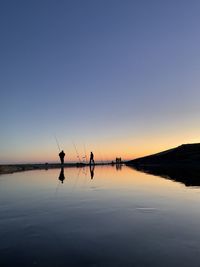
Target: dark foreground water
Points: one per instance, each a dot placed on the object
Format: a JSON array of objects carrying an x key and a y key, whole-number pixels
[{"x": 118, "y": 218}]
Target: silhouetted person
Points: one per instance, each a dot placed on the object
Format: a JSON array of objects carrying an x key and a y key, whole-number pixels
[
  {"x": 118, "y": 161},
  {"x": 92, "y": 171},
  {"x": 62, "y": 155},
  {"x": 92, "y": 158},
  {"x": 61, "y": 176}
]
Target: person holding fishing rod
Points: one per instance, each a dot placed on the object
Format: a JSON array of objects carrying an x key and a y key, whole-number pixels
[
  {"x": 62, "y": 153},
  {"x": 62, "y": 156}
]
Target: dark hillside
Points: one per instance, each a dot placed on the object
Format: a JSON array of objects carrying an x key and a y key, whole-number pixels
[{"x": 181, "y": 155}]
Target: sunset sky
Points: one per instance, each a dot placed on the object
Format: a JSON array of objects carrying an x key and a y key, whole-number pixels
[{"x": 119, "y": 78}]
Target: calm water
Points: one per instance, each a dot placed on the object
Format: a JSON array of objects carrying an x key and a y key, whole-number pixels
[{"x": 118, "y": 218}]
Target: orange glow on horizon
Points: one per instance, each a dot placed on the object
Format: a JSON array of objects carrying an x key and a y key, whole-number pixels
[{"x": 105, "y": 150}]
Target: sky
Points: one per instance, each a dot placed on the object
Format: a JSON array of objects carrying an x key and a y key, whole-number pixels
[{"x": 119, "y": 78}]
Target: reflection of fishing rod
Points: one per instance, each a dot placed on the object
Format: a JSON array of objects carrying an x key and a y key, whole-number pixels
[
  {"x": 56, "y": 189},
  {"x": 76, "y": 180},
  {"x": 57, "y": 143}
]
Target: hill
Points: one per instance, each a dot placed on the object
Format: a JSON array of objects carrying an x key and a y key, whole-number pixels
[
  {"x": 181, "y": 164},
  {"x": 186, "y": 154}
]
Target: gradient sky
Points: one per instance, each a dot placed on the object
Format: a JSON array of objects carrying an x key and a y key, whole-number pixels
[{"x": 119, "y": 78}]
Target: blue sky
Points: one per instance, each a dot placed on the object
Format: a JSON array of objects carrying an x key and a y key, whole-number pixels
[{"x": 120, "y": 78}]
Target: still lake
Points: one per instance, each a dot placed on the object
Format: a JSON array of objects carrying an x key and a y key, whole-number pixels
[{"x": 118, "y": 217}]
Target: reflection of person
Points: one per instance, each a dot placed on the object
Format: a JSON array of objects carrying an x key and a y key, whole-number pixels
[
  {"x": 62, "y": 155},
  {"x": 118, "y": 167},
  {"x": 118, "y": 163},
  {"x": 92, "y": 171},
  {"x": 92, "y": 158},
  {"x": 62, "y": 175}
]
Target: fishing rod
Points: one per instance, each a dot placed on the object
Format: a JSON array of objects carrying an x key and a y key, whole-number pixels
[
  {"x": 77, "y": 154},
  {"x": 86, "y": 160},
  {"x": 57, "y": 143}
]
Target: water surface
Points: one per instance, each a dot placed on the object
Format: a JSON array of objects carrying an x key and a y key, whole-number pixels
[{"x": 113, "y": 218}]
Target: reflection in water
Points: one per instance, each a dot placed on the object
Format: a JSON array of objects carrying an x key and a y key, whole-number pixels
[
  {"x": 62, "y": 175},
  {"x": 118, "y": 166},
  {"x": 188, "y": 175},
  {"x": 92, "y": 171},
  {"x": 112, "y": 220}
]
